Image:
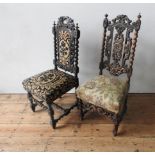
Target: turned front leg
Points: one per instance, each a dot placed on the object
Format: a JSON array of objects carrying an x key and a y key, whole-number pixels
[
  {"x": 32, "y": 105},
  {"x": 81, "y": 108},
  {"x": 51, "y": 114}
]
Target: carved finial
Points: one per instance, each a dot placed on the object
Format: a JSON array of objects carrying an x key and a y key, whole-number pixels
[
  {"x": 105, "y": 22},
  {"x": 139, "y": 16},
  {"x": 137, "y": 23},
  {"x": 54, "y": 27},
  {"x": 78, "y": 32},
  {"x": 77, "y": 25}
]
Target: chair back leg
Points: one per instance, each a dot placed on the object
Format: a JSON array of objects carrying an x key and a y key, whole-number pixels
[{"x": 32, "y": 105}]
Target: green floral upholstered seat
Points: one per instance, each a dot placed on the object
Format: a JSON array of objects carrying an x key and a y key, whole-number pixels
[
  {"x": 108, "y": 94},
  {"x": 50, "y": 82},
  {"x": 104, "y": 91}
]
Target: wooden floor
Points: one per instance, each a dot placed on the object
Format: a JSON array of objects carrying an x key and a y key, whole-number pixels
[{"x": 23, "y": 130}]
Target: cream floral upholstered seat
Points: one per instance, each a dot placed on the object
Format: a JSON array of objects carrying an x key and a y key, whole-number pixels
[
  {"x": 50, "y": 82},
  {"x": 104, "y": 91}
]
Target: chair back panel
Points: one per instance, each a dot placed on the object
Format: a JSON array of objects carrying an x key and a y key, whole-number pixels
[
  {"x": 66, "y": 36},
  {"x": 119, "y": 42}
]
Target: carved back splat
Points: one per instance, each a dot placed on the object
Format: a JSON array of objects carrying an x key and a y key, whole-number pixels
[
  {"x": 66, "y": 36},
  {"x": 119, "y": 43}
]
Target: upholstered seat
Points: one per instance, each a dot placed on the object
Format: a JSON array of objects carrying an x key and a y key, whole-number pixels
[
  {"x": 44, "y": 88},
  {"x": 104, "y": 91},
  {"x": 108, "y": 94},
  {"x": 50, "y": 82}
]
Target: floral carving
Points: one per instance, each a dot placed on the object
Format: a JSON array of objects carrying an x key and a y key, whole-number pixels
[
  {"x": 64, "y": 47},
  {"x": 66, "y": 51},
  {"x": 121, "y": 60},
  {"x": 118, "y": 43}
]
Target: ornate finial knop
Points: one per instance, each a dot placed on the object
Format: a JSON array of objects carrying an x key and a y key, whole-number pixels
[
  {"x": 77, "y": 25},
  {"x": 105, "y": 22},
  {"x": 139, "y": 16},
  {"x": 106, "y": 15}
]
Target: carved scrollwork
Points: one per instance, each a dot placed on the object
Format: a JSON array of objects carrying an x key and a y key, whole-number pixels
[
  {"x": 108, "y": 47},
  {"x": 117, "y": 69},
  {"x": 108, "y": 44},
  {"x": 120, "y": 40},
  {"x": 126, "y": 55},
  {"x": 121, "y": 22},
  {"x": 117, "y": 48},
  {"x": 64, "y": 47},
  {"x": 66, "y": 44},
  {"x": 87, "y": 107},
  {"x": 65, "y": 21}
]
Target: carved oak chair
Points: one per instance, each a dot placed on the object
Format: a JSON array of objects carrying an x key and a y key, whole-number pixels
[
  {"x": 107, "y": 93},
  {"x": 44, "y": 88}
]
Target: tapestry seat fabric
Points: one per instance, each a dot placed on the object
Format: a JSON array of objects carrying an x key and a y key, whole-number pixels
[
  {"x": 104, "y": 91},
  {"x": 50, "y": 82}
]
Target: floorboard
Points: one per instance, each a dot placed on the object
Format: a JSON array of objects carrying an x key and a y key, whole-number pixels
[{"x": 23, "y": 130}]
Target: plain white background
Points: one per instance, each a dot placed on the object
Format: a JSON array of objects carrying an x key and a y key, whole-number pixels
[{"x": 26, "y": 41}]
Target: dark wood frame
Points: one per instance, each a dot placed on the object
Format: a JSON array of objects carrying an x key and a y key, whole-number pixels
[
  {"x": 65, "y": 23},
  {"x": 122, "y": 63}
]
